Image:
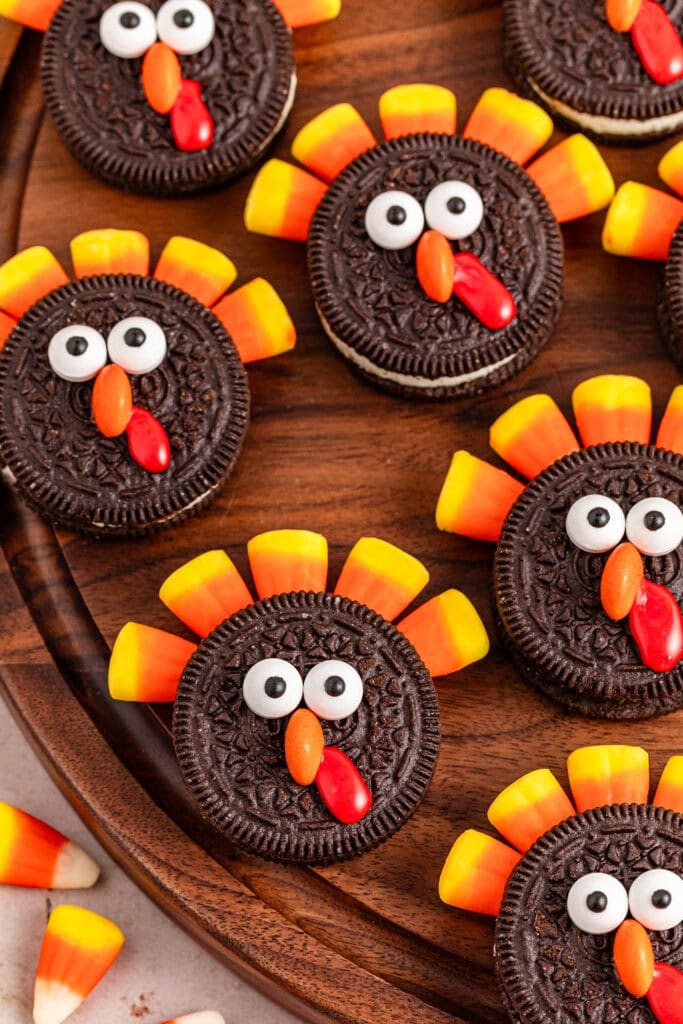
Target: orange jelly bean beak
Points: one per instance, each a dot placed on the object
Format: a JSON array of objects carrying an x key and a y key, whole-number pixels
[
  {"x": 620, "y": 580},
  {"x": 435, "y": 266},
  {"x": 161, "y": 77},
  {"x": 112, "y": 400},
  {"x": 622, "y": 13},
  {"x": 304, "y": 744},
  {"x": 634, "y": 958}
]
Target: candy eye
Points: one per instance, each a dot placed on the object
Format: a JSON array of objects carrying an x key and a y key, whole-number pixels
[
  {"x": 656, "y": 900},
  {"x": 595, "y": 523},
  {"x": 272, "y": 688},
  {"x": 655, "y": 526},
  {"x": 137, "y": 344},
  {"x": 454, "y": 208},
  {"x": 187, "y": 26},
  {"x": 597, "y": 903},
  {"x": 128, "y": 29},
  {"x": 333, "y": 690},
  {"x": 394, "y": 220},
  {"x": 77, "y": 353}
]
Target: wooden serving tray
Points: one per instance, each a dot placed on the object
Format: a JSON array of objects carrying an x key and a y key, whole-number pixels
[{"x": 366, "y": 942}]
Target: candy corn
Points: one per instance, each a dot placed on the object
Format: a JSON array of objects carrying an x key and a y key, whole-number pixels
[
  {"x": 285, "y": 560},
  {"x": 257, "y": 320},
  {"x": 205, "y": 591},
  {"x": 641, "y": 222},
  {"x": 529, "y": 807},
  {"x": 670, "y": 168},
  {"x": 670, "y": 433},
  {"x": 510, "y": 124},
  {"x": 27, "y": 277},
  {"x": 110, "y": 251},
  {"x": 608, "y": 775},
  {"x": 381, "y": 576},
  {"x": 332, "y": 140},
  {"x": 670, "y": 789},
  {"x": 613, "y": 407},
  {"x": 476, "y": 872},
  {"x": 202, "y": 1017},
  {"x": 574, "y": 178},
  {"x": 78, "y": 948},
  {"x": 298, "y": 13},
  {"x": 34, "y": 854},
  {"x": 32, "y": 13},
  {"x": 147, "y": 663},
  {"x": 532, "y": 434},
  {"x": 475, "y": 498},
  {"x": 282, "y": 201},
  {"x": 446, "y": 632},
  {"x": 198, "y": 269},
  {"x": 407, "y": 109}
]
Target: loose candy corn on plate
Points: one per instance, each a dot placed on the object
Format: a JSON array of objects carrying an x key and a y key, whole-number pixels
[{"x": 365, "y": 941}]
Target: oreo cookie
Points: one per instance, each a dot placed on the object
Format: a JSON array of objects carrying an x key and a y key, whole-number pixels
[
  {"x": 305, "y": 724},
  {"x": 613, "y": 69},
  {"x": 588, "y": 573},
  {"x": 124, "y": 401},
  {"x": 435, "y": 259},
  {"x": 168, "y": 97},
  {"x": 590, "y": 916}
]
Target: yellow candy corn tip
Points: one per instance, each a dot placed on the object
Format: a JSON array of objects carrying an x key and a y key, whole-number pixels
[{"x": 81, "y": 927}]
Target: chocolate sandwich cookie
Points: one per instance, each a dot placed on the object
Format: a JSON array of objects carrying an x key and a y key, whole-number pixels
[
  {"x": 168, "y": 97},
  {"x": 613, "y": 69},
  {"x": 589, "y": 903},
  {"x": 124, "y": 401},
  {"x": 306, "y": 725},
  {"x": 435, "y": 259},
  {"x": 588, "y": 573}
]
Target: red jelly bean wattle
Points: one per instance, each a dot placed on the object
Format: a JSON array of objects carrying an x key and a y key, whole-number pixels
[
  {"x": 658, "y": 43},
  {"x": 665, "y": 995},
  {"x": 482, "y": 292},
  {"x": 191, "y": 122},
  {"x": 657, "y": 626},
  {"x": 148, "y": 442},
  {"x": 341, "y": 787}
]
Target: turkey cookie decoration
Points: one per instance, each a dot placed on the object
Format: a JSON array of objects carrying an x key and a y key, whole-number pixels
[
  {"x": 614, "y": 68},
  {"x": 588, "y": 896},
  {"x": 588, "y": 573},
  {"x": 644, "y": 223},
  {"x": 124, "y": 401},
  {"x": 168, "y": 97},
  {"x": 306, "y": 725},
  {"x": 435, "y": 258}
]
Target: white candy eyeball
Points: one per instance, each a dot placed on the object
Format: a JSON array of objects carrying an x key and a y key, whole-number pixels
[
  {"x": 187, "y": 26},
  {"x": 656, "y": 900},
  {"x": 597, "y": 903},
  {"x": 454, "y": 208},
  {"x": 394, "y": 220},
  {"x": 333, "y": 690},
  {"x": 77, "y": 353},
  {"x": 128, "y": 29},
  {"x": 655, "y": 526},
  {"x": 595, "y": 523},
  {"x": 272, "y": 688},
  {"x": 137, "y": 344}
]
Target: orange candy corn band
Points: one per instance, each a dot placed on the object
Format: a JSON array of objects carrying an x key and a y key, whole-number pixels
[
  {"x": 574, "y": 178},
  {"x": 7, "y": 325},
  {"x": 27, "y": 277},
  {"x": 299, "y": 13},
  {"x": 475, "y": 498},
  {"x": 381, "y": 576},
  {"x": 332, "y": 140},
  {"x": 198, "y": 269},
  {"x": 285, "y": 560},
  {"x": 512, "y": 125},
  {"x": 282, "y": 201},
  {"x": 35, "y": 14},
  {"x": 257, "y": 320},
  {"x": 641, "y": 222},
  {"x": 529, "y": 807},
  {"x": 670, "y": 168},
  {"x": 532, "y": 434},
  {"x": 476, "y": 872},
  {"x": 147, "y": 663},
  {"x": 205, "y": 591},
  {"x": 670, "y": 789},
  {"x": 36, "y": 855},
  {"x": 670, "y": 433},
  {"x": 446, "y": 632},
  {"x": 78, "y": 949},
  {"x": 613, "y": 407},
  {"x": 608, "y": 775},
  {"x": 408, "y": 109},
  {"x": 110, "y": 251}
]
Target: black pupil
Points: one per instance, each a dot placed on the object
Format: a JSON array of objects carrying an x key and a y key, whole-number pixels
[
  {"x": 76, "y": 345},
  {"x": 661, "y": 899},
  {"x": 334, "y": 686},
  {"x": 275, "y": 687},
  {"x": 456, "y": 204},
  {"x": 129, "y": 19},
  {"x": 654, "y": 520},
  {"x": 396, "y": 215},
  {"x": 184, "y": 18},
  {"x": 597, "y": 902},
  {"x": 135, "y": 337},
  {"x": 598, "y": 517}
]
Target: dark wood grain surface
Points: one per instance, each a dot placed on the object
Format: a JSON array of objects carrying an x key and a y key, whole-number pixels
[{"x": 367, "y": 941}]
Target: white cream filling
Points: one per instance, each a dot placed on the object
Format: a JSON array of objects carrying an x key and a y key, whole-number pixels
[
  {"x": 602, "y": 125},
  {"x": 407, "y": 380},
  {"x": 289, "y": 103}
]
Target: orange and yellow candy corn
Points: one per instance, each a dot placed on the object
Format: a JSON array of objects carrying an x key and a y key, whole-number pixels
[
  {"x": 604, "y": 774},
  {"x": 446, "y": 632},
  {"x": 257, "y": 320},
  {"x": 332, "y": 140},
  {"x": 196, "y": 268},
  {"x": 147, "y": 663},
  {"x": 205, "y": 591},
  {"x": 381, "y": 576},
  {"x": 27, "y": 277},
  {"x": 512, "y": 125},
  {"x": 641, "y": 222},
  {"x": 110, "y": 251},
  {"x": 574, "y": 178},
  {"x": 670, "y": 433},
  {"x": 532, "y": 434},
  {"x": 529, "y": 807},
  {"x": 78, "y": 949},
  {"x": 298, "y": 13},
  {"x": 201, "y": 1017},
  {"x": 670, "y": 789},
  {"x": 475, "y": 498},
  {"x": 407, "y": 109},
  {"x": 476, "y": 872},
  {"x": 36, "y": 855},
  {"x": 285, "y": 560},
  {"x": 282, "y": 201},
  {"x": 613, "y": 407}
]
